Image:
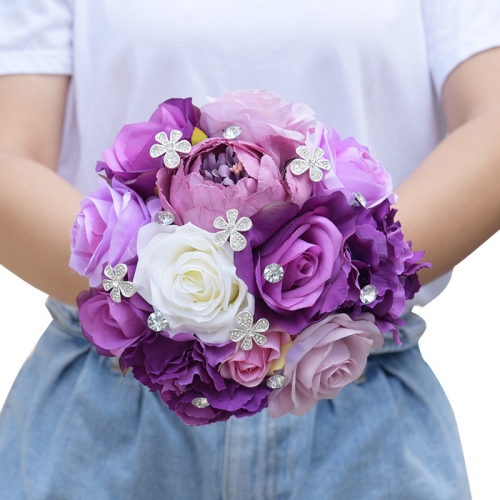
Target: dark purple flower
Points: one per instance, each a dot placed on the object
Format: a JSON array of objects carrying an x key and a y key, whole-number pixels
[
  {"x": 110, "y": 326},
  {"x": 379, "y": 256},
  {"x": 309, "y": 245},
  {"x": 182, "y": 368},
  {"x": 129, "y": 157}
]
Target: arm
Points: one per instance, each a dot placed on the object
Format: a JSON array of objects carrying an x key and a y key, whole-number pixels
[
  {"x": 37, "y": 207},
  {"x": 450, "y": 205}
]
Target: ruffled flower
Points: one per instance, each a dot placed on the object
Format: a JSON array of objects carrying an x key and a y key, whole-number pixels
[
  {"x": 182, "y": 368},
  {"x": 380, "y": 256}
]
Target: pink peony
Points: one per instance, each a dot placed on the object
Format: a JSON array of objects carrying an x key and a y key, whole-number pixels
[
  {"x": 324, "y": 358},
  {"x": 265, "y": 119},
  {"x": 249, "y": 368},
  {"x": 219, "y": 175}
]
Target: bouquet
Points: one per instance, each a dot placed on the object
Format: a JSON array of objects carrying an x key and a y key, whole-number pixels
[{"x": 240, "y": 256}]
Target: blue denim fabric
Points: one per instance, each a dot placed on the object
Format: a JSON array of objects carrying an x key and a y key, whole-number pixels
[{"x": 73, "y": 428}]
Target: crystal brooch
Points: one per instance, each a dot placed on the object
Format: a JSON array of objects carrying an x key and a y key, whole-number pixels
[
  {"x": 359, "y": 199},
  {"x": 232, "y": 132},
  {"x": 164, "y": 218},
  {"x": 115, "y": 283},
  {"x": 157, "y": 322},
  {"x": 231, "y": 228},
  {"x": 311, "y": 162},
  {"x": 276, "y": 381},
  {"x": 200, "y": 402},
  {"x": 170, "y": 148},
  {"x": 273, "y": 273},
  {"x": 250, "y": 331},
  {"x": 368, "y": 294}
]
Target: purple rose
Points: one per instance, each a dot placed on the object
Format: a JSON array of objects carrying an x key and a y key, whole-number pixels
[
  {"x": 183, "y": 368},
  {"x": 324, "y": 358},
  {"x": 353, "y": 169},
  {"x": 309, "y": 246},
  {"x": 129, "y": 157},
  {"x": 265, "y": 119},
  {"x": 219, "y": 175},
  {"x": 105, "y": 231},
  {"x": 110, "y": 326}
]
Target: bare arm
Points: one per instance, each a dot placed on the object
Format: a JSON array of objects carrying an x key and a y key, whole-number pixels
[
  {"x": 37, "y": 207},
  {"x": 450, "y": 205}
]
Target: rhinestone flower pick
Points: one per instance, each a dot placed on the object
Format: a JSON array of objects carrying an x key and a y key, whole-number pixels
[
  {"x": 170, "y": 148},
  {"x": 313, "y": 163},
  {"x": 250, "y": 330},
  {"x": 230, "y": 230},
  {"x": 115, "y": 283}
]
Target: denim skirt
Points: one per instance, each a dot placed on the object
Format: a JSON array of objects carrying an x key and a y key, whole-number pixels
[{"x": 74, "y": 428}]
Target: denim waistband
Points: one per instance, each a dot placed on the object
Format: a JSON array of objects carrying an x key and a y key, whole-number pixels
[{"x": 67, "y": 317}]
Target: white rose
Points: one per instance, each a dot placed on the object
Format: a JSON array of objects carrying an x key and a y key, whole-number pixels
[{"x": 191, "y": 280}]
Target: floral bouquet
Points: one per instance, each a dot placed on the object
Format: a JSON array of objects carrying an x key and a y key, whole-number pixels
[{"x": 240, "y": 256}]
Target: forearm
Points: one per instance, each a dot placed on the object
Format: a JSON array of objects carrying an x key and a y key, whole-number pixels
[
  {"x": 450, "y": 204},
  {"x": 37, "y": 209}
]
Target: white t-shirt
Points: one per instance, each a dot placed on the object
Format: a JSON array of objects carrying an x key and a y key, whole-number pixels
[{"x": 374, "y": 69}]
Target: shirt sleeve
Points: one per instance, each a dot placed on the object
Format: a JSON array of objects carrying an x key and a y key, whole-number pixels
[
  {"x": 456, "y": 30},
  {"x": 36, "y": 37}
]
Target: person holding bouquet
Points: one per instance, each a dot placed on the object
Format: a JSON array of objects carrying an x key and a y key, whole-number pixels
[{"x": 396, "y": 77}]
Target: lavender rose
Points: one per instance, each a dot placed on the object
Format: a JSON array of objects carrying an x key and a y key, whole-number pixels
[
  {"x": 324, "y": 358},
  {"x": 219, "y": 175},
  {"x": 110, "y": 326},
  {"x": 183, "y": 368},
  {"x": 105, "y": 231},
  {"x": 265, "y": 119},
  {"x": 309, "y": 246},
  {"x": 353, "y": 169}
]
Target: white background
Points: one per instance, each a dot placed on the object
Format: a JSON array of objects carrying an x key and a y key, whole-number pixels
[{"x": 462, "y": 345}]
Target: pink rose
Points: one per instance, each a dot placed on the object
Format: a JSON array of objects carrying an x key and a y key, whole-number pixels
[
  {"x": 249, "y": 368},
  {"x": 219, "y": 175},
  {"x": 265, "y": 119},
  {"x": 324, "y": 358}
]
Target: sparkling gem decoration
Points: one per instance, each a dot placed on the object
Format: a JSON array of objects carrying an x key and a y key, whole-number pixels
[
  {"x": 115, "y": 283},
  {"x": 250, "y": 331},
  {"x": 359, "y": 199},
  {"x": 368, "y": 294},
  {"x": 200, "y": 402},
  {"x": 157, "y": 322},
  {"x": 169, "y": 148},
  {"x": 273, "y": 273},
  {"x": 313, "y": 163},
  {"x": 164, "y": 218},
  {"x": 232, "y": 132},
  {"x": 276, "y": 381},
  {"x": 230, "y": 230}
]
